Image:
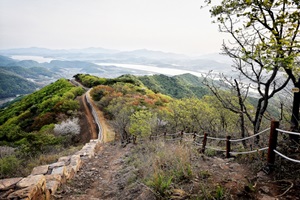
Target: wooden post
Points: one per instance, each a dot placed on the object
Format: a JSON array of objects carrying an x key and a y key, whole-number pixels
[
  {"x": 204, "y": 143},
  {"x": 181, "y": 136},
  {"x": 165, "y": 135},
  {"x": 228, "y": 146},
  {"x": 272, "y": 142},
  {"x": 194, "y": 136}
]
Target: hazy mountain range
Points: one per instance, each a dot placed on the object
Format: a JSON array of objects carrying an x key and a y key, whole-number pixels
[{"x": 36, "y": 67}]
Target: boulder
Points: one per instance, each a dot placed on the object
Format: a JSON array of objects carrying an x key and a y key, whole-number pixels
[
  {"x": 40, "y": 170},
  {"x": 57, "y": 164},
  {"x": 6, "y": 184},
  {"x": 36, "y": 180},
  {"x": 32, "y": 192}
]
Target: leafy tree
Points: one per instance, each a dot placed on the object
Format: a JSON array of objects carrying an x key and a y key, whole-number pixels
[
  {"x": 142, "y": 123},
  {"x": 265, "y": 42}
]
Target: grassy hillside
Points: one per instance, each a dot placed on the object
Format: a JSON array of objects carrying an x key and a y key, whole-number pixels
[
  {"x": 37, "y": 110},
  {"x": 180, "y": 86},
  {"x": 12, "y": 84}
]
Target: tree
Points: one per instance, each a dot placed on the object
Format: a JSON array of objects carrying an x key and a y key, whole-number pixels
[
  {"x": 68, "y": 127},
  {"x": 265, "y": 42},
  {"x": 142, "y": 123}
]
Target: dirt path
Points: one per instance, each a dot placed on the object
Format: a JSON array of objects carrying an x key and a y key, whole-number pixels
[
  {"x": 90, "y": 119},
  {"x": 96, "y": 179}
]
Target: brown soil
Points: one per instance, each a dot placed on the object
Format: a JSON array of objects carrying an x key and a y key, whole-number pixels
[{"x": 87, "y": 123}]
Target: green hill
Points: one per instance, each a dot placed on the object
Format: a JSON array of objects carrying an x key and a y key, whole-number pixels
[
  {"x": 38, "y": 109},
  {"x": 12, "y": 84},
  {"x": 181, "y": 86}
]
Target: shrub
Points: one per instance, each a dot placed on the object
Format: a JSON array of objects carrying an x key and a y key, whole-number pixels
[
  {"x": 68, "y": 127},
  {"x": 9, "y": 166},
  {"x": 160, "y": 183}
]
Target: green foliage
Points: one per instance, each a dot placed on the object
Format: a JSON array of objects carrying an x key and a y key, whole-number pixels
[
  {"x": 9, "y": 166},
  {"x": 36, "y": 110},
  {"x": 181, "y": 86},
  {"x": 141, "y": 123},
  {"x": 12, "y": 84},
  {"x": 160, "y": 183}
]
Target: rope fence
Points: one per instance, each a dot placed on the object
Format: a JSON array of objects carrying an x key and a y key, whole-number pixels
[
  {"x": 248, "y": 152},
  {"x": 246, "y": 138},
  {"x": 288, "y": 132},
  {"x": 273, "y": 130},
  {"x": 290, "y": 159}
]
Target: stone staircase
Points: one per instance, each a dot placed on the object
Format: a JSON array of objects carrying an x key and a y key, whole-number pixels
[{"x": 44, "y": 180}]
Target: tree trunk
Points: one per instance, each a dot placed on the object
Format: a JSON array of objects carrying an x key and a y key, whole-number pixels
[{"x": 295, "y": 115}]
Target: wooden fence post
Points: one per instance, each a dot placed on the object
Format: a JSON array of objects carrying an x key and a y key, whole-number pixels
[
  {"x": 204, "y": 143},
  {"x": 272, "y": 142},
  {"x": 228, "y": 146},
  {"x": 165, "y": 135},
  {"x": 181, "y": 136}
]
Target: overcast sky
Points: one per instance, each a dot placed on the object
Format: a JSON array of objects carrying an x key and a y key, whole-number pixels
[{"x": 178, "y": 26}]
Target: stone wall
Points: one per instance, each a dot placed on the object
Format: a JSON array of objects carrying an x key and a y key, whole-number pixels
[{"x": 45, "y": 180}]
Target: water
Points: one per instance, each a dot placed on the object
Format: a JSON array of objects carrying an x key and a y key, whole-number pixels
[
  {"x": 39, "y": 59},
  {"x": 166, "y": 71}
]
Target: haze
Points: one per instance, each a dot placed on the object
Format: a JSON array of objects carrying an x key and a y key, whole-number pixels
[{"x": 169, "y": 25}]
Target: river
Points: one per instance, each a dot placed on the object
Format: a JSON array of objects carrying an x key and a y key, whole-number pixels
[{"x": 159, "y": 70}]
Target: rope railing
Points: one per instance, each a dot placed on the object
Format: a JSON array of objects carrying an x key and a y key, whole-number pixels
[
  {"x": 288, "y": 132},
  {"x": 248, "y": 152},
  {"x": 197, "y": 143},
  {"x": 284, "y": 156},
  {"x": 216, "y": 149},
  {"x": 246, "y": 138},
  {"x": 271, "y": 148},
  {"x": 213, "y": 138},
  {"x": 172, "y": 134},
  {"x": 199, "y": 136}
]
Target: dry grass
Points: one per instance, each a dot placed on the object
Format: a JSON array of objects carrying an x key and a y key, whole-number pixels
[{"x": 171, "y": 171}]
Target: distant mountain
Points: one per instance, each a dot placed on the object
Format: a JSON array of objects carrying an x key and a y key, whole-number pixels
[
  {"x": 4, "y": 61},
  {"x": 12, "y": 84},
  {"x": 181, "y": 86},
  {"x": 36, "y": 51}
]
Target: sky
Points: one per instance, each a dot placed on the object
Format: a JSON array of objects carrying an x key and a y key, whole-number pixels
[{"x": 178, "y": 26}]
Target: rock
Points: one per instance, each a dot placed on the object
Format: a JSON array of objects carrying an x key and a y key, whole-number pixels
[
  {"x": 76, "y": 162},
  {"x": 261, "y": 176},
  {"x": 65, "y": 159},
  {"x": 53, "y": 177},
  {"x": 40, "y": 170},
  {"x": 52, "y": 186},
  {"x": 36, "y": 180},
  {"x": 5, "y": 194},
  {"x": 32, "y": 192},
  {"x": 178, "y": 194},
  {"x": 267, "y": 197},
  {"x": 265, "y": 189},
  {"x": 57, "y": 164},
  {"x": 60, "y": 171},
  {"x": 70, "y": 172},
  {"x": 8, "y": 183}
]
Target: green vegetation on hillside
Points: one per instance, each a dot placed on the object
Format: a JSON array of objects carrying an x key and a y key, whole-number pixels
[
  {"x": 29, "y": 123},
  {"x": 180, "y": 86},
  {"x": 12, "y": 84}
]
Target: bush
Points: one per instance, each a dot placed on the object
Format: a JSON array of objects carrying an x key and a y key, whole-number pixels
[
  {"x": 160, "y": 183},
  {"x": 9, "y": 166},
  {"x": 68, "y": 127}
]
